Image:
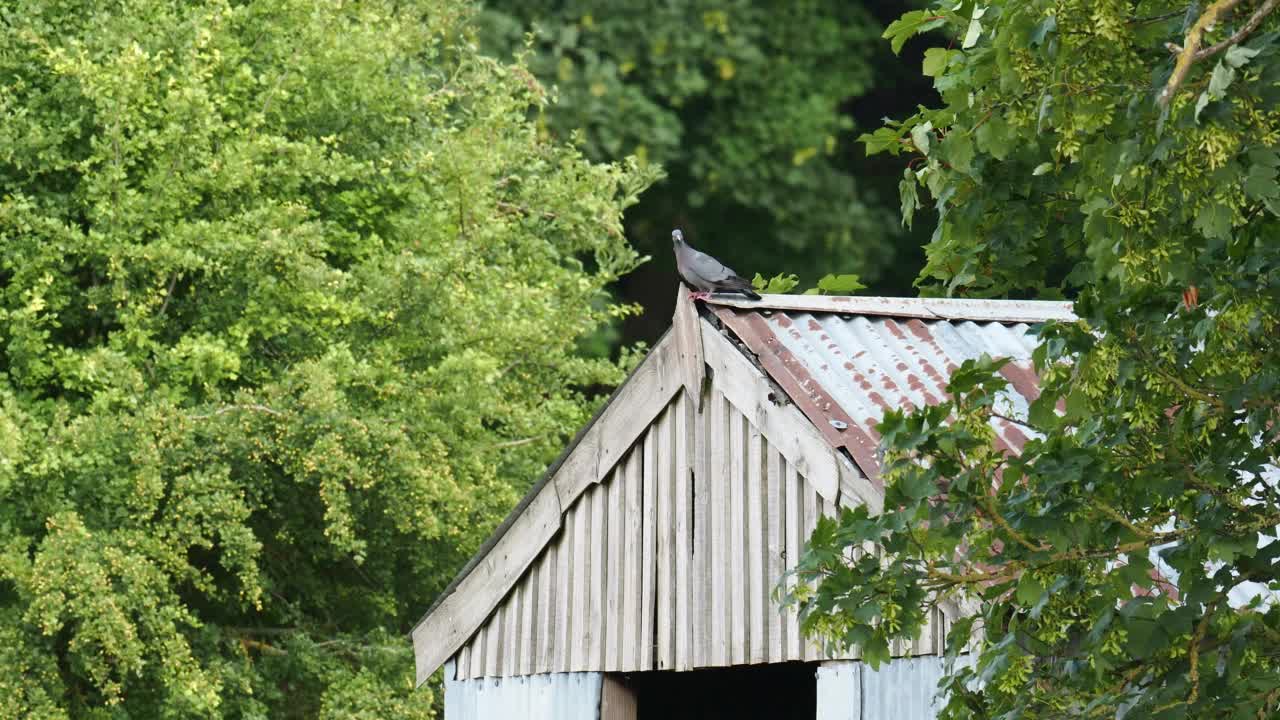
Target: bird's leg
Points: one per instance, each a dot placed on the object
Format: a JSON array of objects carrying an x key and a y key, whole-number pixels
[{"x": 699, "y": 295}]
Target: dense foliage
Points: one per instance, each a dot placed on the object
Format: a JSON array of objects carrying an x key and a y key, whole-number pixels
[
  {"x": 744, "y": 103},
  {"x": 1124, "y": 153},
  {"x": 289, "y": 295}
]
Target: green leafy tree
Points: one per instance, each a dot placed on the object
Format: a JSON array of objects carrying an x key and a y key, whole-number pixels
[
  {"x": 743, "y": 103},
  {"x": 289, "y": 297},
  {"x": 1123, "y": 565}
]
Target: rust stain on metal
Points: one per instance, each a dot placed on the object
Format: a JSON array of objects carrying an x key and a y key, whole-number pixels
[
  {"x": 809, "y": 396},
  {"x": 842, "y": 364}
]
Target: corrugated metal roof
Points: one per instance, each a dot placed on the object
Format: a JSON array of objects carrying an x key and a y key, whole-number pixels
[{"x": 844, "y": 367}]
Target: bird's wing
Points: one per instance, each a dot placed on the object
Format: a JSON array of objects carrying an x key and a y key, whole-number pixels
[{"x": 708, "y": 268}]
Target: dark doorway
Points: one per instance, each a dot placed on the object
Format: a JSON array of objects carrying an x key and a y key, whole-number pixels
[{"x": 785, "y": 691}]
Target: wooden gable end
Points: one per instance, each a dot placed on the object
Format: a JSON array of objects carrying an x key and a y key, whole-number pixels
[{"x": 657, "y": 541}]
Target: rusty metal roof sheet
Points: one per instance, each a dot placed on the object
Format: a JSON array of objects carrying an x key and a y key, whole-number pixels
[{"x": 844, "y": 361}]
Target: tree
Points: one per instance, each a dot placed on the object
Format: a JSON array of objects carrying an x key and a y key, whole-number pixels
[
  {"x": 1124, "y": 154},
  {"x": 289, "y": 297},
  {"x": 745, "y": 105}
]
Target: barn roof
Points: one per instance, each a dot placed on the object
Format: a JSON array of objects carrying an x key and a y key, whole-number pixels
[{"x": 840, "y": 361}]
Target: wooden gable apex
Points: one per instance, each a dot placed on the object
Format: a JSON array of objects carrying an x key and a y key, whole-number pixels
[{"x": 669, "y": 383}]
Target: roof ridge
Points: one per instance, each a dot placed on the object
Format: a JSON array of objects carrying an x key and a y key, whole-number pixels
[{"x": 984, "y": 310}]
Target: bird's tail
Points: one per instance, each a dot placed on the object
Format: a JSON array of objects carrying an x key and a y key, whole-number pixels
[{"x": 741, "y": 285}]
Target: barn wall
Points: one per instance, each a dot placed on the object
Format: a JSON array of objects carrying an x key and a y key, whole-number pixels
[
  {"x": 556, "y": 696},
  {"x": 901, "y": 689},
  {"x": 669, "y": 563}
]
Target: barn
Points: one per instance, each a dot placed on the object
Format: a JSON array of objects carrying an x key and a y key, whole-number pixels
[{"x": 636, "y": 579}]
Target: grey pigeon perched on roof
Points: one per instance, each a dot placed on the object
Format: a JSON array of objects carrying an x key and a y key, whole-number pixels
[{"x": 706, "y": 274}]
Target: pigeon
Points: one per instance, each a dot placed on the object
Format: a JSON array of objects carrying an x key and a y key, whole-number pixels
[{"x": 706, "y": 274}]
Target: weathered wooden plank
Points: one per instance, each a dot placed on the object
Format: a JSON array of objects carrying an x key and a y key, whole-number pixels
[
  {"x": 783, "y": 425},
  {"x": 664, "y": 516},
  {"x": 510, "y": 650},
  {"x": 528, "y": 621},
  {"x": 757, "y": 593},
  {"x": 775, "y": 499},
  {"x": 564, "y": 589},
  {"x": 477, "y": 654},
  {"x": 684, "y": 325},
  {"x": 461, "y": 663},
  {"x": 455, "y": 619},
  {"x": 683, "y": 550},
  {"x": 493, "y": 644},
  {"x": 634, "y": 539},
  {"x": 549, "y": 599},
  {"x": 699, "y": 567},
  {"x": 616, "y": 586},
  {"x": 737, "y": 584},
  {"x": 718, "y": 510},
  {"x": 648, "y": 570},
  {"x": 595, "y": 634},
  {"x": 581, "y": 607},
  {"x": 627, "y": 415},
  {"x": 856, "y": 489},
  {"x": 811, "y": 509},
  {"x": 794, "y": 529},
  {"x": 617, "y": 700}
]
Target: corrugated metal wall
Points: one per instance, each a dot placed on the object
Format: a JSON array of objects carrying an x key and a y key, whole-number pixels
[
  {"x": 556, "y": 696},
  {"x": 902, "y": 689},
  {"x": 669, "y": 563}
]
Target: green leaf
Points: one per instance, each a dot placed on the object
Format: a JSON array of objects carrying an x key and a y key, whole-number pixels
[
  {"x": 935, "y": 61},
  {"x": 910, "y": 198},
  {"x": 840, "y": 284},
  {"x": 958, "y": 151},
  {"x": 1029, "y": 590},
  {"x": 1220, "y": 80},
  {"x": 778, "y": 284},
  {"x": 1042, "y": 168},
  {"x": 1239, "y": 55},
  {"x": 920, "y": 135},
  {"x": 1260, "y": 183},
  {"x": 974, "y": 30},
  {"x": 994, "y": 136},
  {"x": 1043, "y": 28},
  {"x": 1214, "y": 221},
  {"x": 909, "y": 25}
]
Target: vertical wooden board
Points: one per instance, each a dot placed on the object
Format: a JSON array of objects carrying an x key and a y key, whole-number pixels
[
  {"x": 811, "y": 505},
  {"x": 665, "y": 523},
  {"x": 716, "y": 511},
  {"x": 794, "y": 529},
  {"x": 564, "y": 592},
  {"x": 476, "y": 654},
  {"x": 461, "y": 663},
  {"x": 617, "y": 700},
  {"x": 827, "y": 508},
  {"x": 775, "y": 497},
  {"x": 493, "y": 644},
  {"x": 529, "y": 619},
  {"x": 615, "y": 576},
  {"x": 683, "y": 550},
  {"x": 738, "y": 585},
  {"x": 599, "y": 543},
  {"x": 757, "y": 560},
  {"x": 581, "y": 608},
  {"x": 548, "y": 599},
  {"x": 648, "y": 569},
  {"x": 511, "y": 632},
  {"x": 699, "y": 568},
  {"x": 631, "y": 597}
]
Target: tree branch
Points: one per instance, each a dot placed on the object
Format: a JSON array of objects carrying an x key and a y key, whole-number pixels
[{"x": 1191, "y": 51}]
